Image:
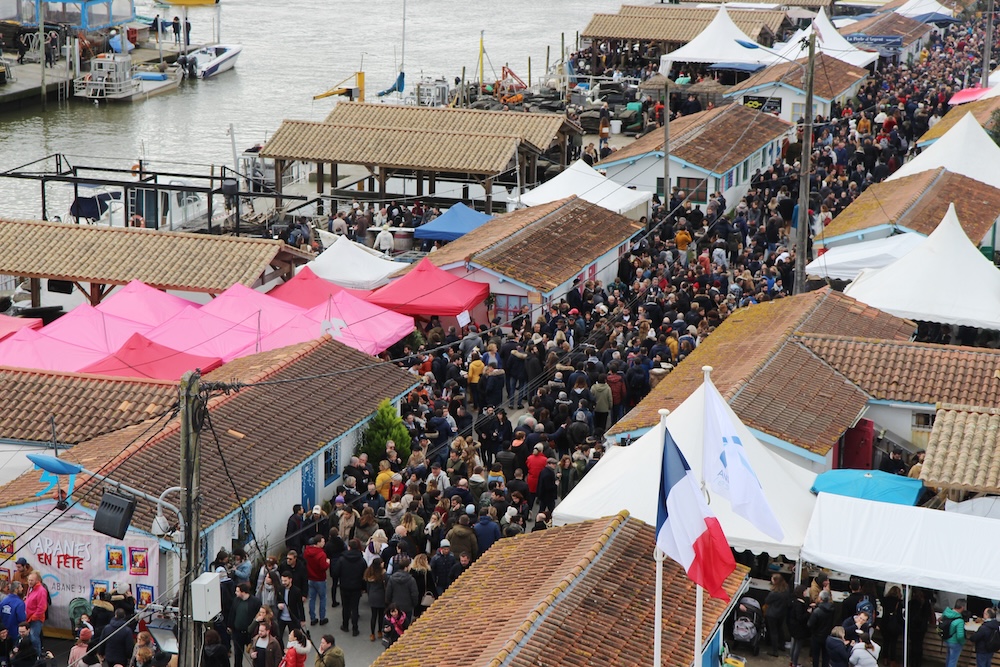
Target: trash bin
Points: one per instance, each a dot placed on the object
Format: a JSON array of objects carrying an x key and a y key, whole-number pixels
[{"x": 616, "y": 127}]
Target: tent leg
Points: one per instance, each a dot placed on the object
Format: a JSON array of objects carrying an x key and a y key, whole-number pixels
[
  {"x": 906, "y": 625},
  {"x": 798, "y": 571}
]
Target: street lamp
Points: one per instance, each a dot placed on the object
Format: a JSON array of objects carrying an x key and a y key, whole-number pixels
[{"x": 805, "y": 166}]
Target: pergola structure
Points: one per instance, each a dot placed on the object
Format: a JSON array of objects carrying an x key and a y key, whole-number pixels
[
  {"x": 427, "y": 144},
  {"x": 95, "y": 258}
]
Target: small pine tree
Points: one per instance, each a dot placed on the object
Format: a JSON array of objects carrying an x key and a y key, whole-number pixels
[
  {"x": 385, "y": 425},
  {"x": 993, "y": 127}
]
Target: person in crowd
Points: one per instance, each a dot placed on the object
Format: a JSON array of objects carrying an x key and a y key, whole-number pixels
[
  {"x": 317, "y": 569},
  {"x": 214, "y": 653},
  {"x": 297, "y": 649},
  {"x": 265, "y": 650},
  {"x": 395, "y": 621},
  {"x": 890, "y": 624},
  {"x": 352, "y": 583},
  {"x": 241, "y": 615},
  {"x": 822, "y": 619},
  {"x": 776, "y": 606},
  {"x": 375, "y": 581},
  {"x": 12, "y": 612},
  {"x": 291, "y": 613},
  {"x": 116, "y": 643},
  {"x": 798, "y": 623},
  {"x": 864, "y": 652},
  {"x": 954, "y": 637},
  {"x": 36, "y": 608},
  {"x": 987, "y": 638},
  {"x": 330, "y": 655},
  {"x": 401, "y": 588},
  {"x": 838, "y": 648}
]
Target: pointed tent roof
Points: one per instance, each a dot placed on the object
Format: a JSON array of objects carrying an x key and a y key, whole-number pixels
[
  {"x": 913, "y": 287},
  {"x": 719, "y": 43},
  {"x": 624, "y": 479},
  {"x": 828, "y": 41},
  {"x": 139, "y": 302},
  {"x": 90, "y": 328},
  {"x": 428, "y": 290},
  {"x": 845, "y": 262},
  {"x": 454, "y": 223},
  {"x": 954, "y": 150},
  {"x": 204, "y": 334},
  {"x": 241, "y": 305},
  {"x": 307, "y": 289},
  {"x": 11, "y": 325},
  {"x": 28, "y": 348},
  {"x": 587, "y": 183},
  {"x": 350, "y": 265},
  {"x": 915, "y": 8},
  {"x": 140, "y": 357}
]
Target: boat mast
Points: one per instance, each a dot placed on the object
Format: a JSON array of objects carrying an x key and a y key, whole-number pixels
[
  {"x": 402, "y": 52},
  {"x": 481, "y": 59}
]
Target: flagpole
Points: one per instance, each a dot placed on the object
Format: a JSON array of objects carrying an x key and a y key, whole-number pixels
[
  {"x": 698, "y": 616},
  {"x": 658, "y": 556}
]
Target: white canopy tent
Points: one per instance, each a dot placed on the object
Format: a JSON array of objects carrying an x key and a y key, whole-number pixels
[
  {"x": 920, "y": 7},
  {"x": 912, "y": 286},
  {"x": 965, "y": 149},
  {"x": 718, "y": 43},
  {"x": 828, "y": 41},
  {"x": 846, "y": 262},
  {"x": 629, "y": 477},
  {"x": 908, "y": 545},
  {"x": 352, "y": 265},
  {"x": 987, "y": 506},
  {"x": 587, "y": 183}
]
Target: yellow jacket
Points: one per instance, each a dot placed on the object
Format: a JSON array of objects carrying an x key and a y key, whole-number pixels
[
  {"x": 682, "y": 239},
  {"x": 476, "y": 369}
]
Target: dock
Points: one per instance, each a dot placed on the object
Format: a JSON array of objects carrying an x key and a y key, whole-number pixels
[{"x": 24, "y": 89}]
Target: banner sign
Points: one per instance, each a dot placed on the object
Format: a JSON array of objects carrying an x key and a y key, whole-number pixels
[
  {"x": 886, "y": 45},
  {"x": 77, "y": 563},
  {"x": 766, "y": 104}
]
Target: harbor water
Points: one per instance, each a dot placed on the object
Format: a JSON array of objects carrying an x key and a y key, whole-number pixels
[{"x": 293, "y": 49}]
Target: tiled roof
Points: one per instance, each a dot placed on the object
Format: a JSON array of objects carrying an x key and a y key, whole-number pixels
[
  {"x": 889, "y": 23},
  {"x": 833, "y": 77},
  {"x": 963, "y": 451},
  {"x": 263, "y": 430},
  {"x": 748, "y": 352},
  {"x": 571, "y": 607},
  {"x": 393, "y": 147},
  {"x": 918, "y": 203},
  {"x": 789, "y": 3},
  {"x": 717, "y": 139},
  {"x": 913, "y": 372},
  {"x": 675, "y": 23},
  {"x": 83, "y": 406},
  {"x": 539, "y": 130},
  {"x": 116, "y": 256},
  {"x": 982, "y": 110}
]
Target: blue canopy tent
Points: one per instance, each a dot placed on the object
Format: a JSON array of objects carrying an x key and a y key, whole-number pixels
[
  {"x": 454, "y": 223},
  {"x": 936, "y": 17},
  {"x": 738, "y": 67},
  {"x": 869, "y": 485},
  {"x": 84, "y": 15}
]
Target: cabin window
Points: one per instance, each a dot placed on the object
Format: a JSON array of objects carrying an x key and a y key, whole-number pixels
[
  {"x": 696, "y": 187},
  {"x": 508, "y": 307}
]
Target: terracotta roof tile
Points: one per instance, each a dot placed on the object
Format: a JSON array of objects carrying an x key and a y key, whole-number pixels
[
  {"x": 744, "y": 351},
  {"x": 394, "y": 147},
  {"x": 790, "y": 3},
  {"x": 918, "y": 203},
  {"x": 83, "y": 406},
  {"x": 833, "y": 77},
  {"x": 675, "y": 23},
  {"x": 716, "y": 139},
  {"x": 890, "y": 23},
  {"x": 963, "y": 451},
  {"x": 116, "y": 256},
  {"x": 571, "y": 608},
  {"x": 254, "y": 425},
  {"x": 982, "y": 110},
  {"x": 913, "y": 372},
  {"x": 539, "y": 130}
]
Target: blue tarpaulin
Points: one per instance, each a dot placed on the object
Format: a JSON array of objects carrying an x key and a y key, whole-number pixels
[
  {"x": 936, "y": 17},
  {"x": 454, "y": 223},
  {"x": 870, "y": 485},
  {"x": 739, "y": 67}
]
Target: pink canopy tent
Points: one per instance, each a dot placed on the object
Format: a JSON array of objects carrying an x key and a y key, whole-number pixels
[
  {"x": 253, "y": 309},
  {"x": 140, "y": 357},
  {"x": 31, "y": 349},
  {"x": 204, "y": 334},
  {"x": 139, "y": 302},
  {"x": 967, "y": 95},
  {"x": 307, "y": 289},
  {"x": 10, "y": 325},
  {"x": 353, "y": 322},
  {"x": 88, "y": 327},
  {"x": 427, "y": 290}
]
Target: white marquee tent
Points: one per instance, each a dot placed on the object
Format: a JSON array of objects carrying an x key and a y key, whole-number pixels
[
  {"x": 828, "y": 41},
  {"x": 847, "y": 261},
  {"x": 915, "y": 8},
  {"x": 628, "y": 478},
  {"x": 913, "y": 287},
  {"x": 909, "y": 545},
  {"x": 965, "y": 149},
  {"x": 587, "y": 183},
  {"x": 718, "y": 43},
  {"x": 352, "y": 265}
]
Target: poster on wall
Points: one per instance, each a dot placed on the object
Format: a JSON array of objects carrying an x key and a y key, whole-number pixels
[
  {"x": 4, "y": 575},
  {"x": 7, "y": 542},
  {"x": 76, "y": 562},
  {"x": 143, "y": 596}
]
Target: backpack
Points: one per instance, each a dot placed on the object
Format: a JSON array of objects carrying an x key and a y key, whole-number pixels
[
  {"x": 946, "y": 626},
  {"x": 865, "y": 605}
]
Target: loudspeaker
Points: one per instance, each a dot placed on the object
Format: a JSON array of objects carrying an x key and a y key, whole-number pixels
[
  {"x": 206, "y": 597},
  {"x": 60, "y": 286},
  {"x": 114, "y": 515}
]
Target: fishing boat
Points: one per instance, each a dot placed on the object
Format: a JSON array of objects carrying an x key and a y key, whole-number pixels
[
  {"x": 174, "y": 209},
  {"x": 210, "y": 60},
  {"x": 115, "y": 78}
]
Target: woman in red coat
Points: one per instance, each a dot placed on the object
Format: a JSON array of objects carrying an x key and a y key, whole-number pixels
[{"x": 298, "y": 649}]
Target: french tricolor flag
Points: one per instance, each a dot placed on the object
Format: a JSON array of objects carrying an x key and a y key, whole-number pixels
[{"x": 685, "y": 528}]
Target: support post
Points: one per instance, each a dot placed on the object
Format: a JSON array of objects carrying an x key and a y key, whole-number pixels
[
  {"x": 666, "y": 144},
  {"x": 191, "y": 507},
  {"x": 802, "y": 232},
  {"x": 699, "y": 615},
  {"x": 320, "y": 178},
  {"x": 906, "y": 610},
  {"x": 658, "y": 556}
]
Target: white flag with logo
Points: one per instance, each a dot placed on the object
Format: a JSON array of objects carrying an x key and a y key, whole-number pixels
[{"x": 727, "y": 469}]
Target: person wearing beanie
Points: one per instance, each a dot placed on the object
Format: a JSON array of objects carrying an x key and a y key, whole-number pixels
[{"x": 81, "y": 646}]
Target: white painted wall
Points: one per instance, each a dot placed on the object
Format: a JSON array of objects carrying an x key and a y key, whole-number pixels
[{"x": 790, "y": 97}]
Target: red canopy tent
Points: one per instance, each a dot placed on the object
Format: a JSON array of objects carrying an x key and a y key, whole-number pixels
[
  {"x": 427, "y": 290},
  {"x": 140, "y": 357},
  {"x": 307, "y": 290}
]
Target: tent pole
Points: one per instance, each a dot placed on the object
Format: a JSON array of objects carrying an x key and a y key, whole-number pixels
[
  {"x": 698, "y": 618},
  {"x": 798, "y": 571},
  {"x": 658, "y": 556},
  {"x": 906, "y": 625}
]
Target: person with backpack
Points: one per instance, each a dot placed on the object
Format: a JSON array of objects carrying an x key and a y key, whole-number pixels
[
  {"x": 891, "y": 623},
  {"x": 821, "y": 622},
  {"x": 951, "y": 627},
  {"x": 987, "y": 638}
]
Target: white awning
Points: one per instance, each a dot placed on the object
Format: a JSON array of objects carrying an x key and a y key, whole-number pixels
[
  {"x": 847, "y": 261},
  {"x": 589, "y": 184}
]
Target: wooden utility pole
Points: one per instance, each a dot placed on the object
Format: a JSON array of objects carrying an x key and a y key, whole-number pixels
[
  {"x": 666, "y": 145},
  {"x": 190, "y": 415}
]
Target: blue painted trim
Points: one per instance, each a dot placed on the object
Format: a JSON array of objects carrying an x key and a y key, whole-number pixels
[
  {"x": 635, "y": 433},
  {"x": 787, "y": 446},
  {"x": 776, "y": 84},
  {"x": 909, "y": 404},
  {"x": 503, "y": 278},
  {"x": 659, "y": 156},
  {"x": 859, "y": 233},
  {"x": 37, "y": 444}
]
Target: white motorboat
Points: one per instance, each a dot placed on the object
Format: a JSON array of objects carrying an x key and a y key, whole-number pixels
[
  {"x": 115, "y": 78},
  {"x": 210, "y": 60}
]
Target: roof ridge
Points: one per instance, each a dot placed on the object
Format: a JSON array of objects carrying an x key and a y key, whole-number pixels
[
  {"x": 528, "y": 114},
  {"x": 510, "y": 646},
  {"x": 833, "y": 368},
  {"x": 281, "y": 364},
  {"x": 94, "y": 377},
  {"x": 840, "y": 338},
  {"x": 104, "y": 229},
  {"x": 964, "y": 407},
  {"x": 356, "y": 126}
]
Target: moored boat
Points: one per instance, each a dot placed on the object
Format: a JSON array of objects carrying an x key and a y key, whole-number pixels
[
  {"x": 210, "y": 60},
  {"x": 115, "y": 78}
]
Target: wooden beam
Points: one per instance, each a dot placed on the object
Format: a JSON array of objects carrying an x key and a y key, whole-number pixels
[
  {"x": 35, "y": 285},
  {"x": 320, "y": 178}
]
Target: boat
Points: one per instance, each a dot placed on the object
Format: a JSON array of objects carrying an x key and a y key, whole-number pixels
[
  {"x": 115, "y": 78},
  {"x": 174, "y": 209},
  {"x": 210, "y": 60}
]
